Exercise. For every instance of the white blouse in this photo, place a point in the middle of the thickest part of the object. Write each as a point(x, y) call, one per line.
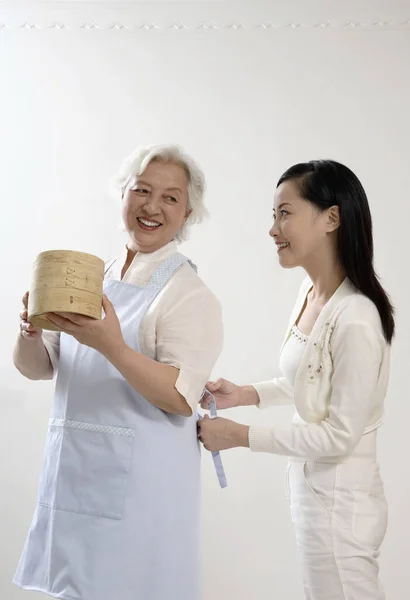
point(292, 352)
point(340, 384)
point(182, 327)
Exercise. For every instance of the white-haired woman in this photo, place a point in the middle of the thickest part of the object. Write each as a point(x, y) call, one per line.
point(118, 507)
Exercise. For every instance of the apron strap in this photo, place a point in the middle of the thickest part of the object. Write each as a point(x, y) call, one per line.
point(109, 264)
point(216, 456)
point(166, 269)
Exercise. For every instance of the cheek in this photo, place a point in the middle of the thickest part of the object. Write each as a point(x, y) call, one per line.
point(126, 213)
point(130, 205)
point(175, 215)
point(299, 232)
point(308, 242)
point(287, 229)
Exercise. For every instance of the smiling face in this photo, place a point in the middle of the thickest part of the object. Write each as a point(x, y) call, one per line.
point(301, 231)
point(155, 206)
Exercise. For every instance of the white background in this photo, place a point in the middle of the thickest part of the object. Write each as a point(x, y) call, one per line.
point(318, 79)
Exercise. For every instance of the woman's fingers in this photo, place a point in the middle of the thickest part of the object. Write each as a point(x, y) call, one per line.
point(213, 386)
point(27, 329)
point(26, 326)
point(25, 300)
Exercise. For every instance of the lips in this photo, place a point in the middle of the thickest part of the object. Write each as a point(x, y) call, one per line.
point(282, 246)
point(147, 224)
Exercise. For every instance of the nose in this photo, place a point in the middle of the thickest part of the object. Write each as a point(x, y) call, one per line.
point(274, 230)
point(152, 204)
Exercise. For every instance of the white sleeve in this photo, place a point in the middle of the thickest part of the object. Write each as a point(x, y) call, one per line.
point(275, 392)
point(357, 353)
point(51, 341)
point(190, 338)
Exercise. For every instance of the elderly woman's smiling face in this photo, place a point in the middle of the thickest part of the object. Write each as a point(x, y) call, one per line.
point(155, 206)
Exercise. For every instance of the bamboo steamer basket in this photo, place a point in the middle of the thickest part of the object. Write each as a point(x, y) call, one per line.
point(65, 281)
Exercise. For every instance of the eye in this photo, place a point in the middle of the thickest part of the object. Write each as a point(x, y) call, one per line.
point(139, 190)
point(171, 199)
point(282, 212)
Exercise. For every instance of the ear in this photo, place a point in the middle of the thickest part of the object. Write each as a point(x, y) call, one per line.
point(333, 219)
point(187, 214)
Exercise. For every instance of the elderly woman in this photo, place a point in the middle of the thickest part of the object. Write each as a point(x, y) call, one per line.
point(118, 505)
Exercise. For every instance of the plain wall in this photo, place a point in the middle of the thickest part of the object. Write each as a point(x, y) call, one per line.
point(247, 102)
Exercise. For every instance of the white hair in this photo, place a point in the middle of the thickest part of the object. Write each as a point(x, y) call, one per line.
point(136, 163)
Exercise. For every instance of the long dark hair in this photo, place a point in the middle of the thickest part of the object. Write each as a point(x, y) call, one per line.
point(327, 183)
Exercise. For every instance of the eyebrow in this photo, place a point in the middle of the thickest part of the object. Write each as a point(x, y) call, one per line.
point(174, 189)
point(282, 205)
point(141, 181)
point(170, 189)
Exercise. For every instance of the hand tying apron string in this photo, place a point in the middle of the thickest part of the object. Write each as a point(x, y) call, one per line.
point(219, 468)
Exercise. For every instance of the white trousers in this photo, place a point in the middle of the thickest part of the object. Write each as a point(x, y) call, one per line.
point(339, 512)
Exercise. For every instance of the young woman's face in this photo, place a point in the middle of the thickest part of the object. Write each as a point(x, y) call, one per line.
point(300, 230)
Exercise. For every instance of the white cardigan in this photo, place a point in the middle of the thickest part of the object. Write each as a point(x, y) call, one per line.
point(340, 385)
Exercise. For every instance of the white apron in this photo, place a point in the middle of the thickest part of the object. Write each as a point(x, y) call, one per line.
point(118, 513)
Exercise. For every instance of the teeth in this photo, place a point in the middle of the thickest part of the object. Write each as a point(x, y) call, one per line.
point(148, 223)
point(283, 245)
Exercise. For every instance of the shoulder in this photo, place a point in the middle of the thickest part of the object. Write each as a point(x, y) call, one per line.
point(358, 308)
point(357, 316)
point(190, 281)
point(186, 287)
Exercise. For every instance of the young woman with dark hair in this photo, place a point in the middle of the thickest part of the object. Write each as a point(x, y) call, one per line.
point(335, 370)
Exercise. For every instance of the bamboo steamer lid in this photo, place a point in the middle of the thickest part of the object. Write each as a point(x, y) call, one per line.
point(65, 281)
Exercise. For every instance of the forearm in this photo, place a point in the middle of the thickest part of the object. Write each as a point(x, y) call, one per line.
point(275, 392)
point(313, 440)
point(248, 396)
point(155, 381)
point(31, 358)
point(240, 436)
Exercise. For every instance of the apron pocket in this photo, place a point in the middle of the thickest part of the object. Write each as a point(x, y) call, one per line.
point(86, 468)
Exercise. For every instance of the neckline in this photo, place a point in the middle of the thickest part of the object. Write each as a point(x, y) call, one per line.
point(146, 258)
point(332, 301)
point(343, 290)
point(299, 335)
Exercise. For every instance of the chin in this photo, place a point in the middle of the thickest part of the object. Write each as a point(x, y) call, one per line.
point(288, 264)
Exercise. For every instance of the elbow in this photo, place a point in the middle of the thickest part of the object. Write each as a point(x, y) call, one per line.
point(27, 375)
point(350, 445)
point(49, 375)
point(20, 368)
point(34, 376)
point(185, 410)
point(341, 446)
point(174, 405)
point(181, 405)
